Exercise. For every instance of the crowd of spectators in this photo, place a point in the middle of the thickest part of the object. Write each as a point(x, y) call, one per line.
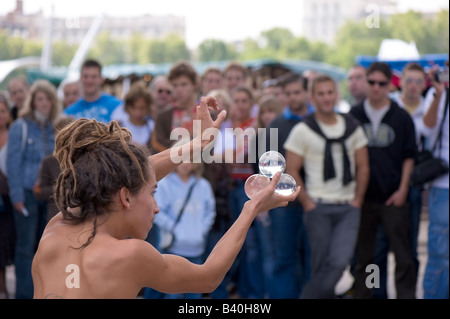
point(354, 165)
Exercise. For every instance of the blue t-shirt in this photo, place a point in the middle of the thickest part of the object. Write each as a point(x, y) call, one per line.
point(100, 109)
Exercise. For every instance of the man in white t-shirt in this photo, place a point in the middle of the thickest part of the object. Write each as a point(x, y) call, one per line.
point(413, 84)
point(332, 150)
point(436, 128)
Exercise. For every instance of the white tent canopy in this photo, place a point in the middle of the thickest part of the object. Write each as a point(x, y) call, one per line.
point(395, 49)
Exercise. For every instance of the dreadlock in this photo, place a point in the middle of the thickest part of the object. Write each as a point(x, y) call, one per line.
point(96, 161)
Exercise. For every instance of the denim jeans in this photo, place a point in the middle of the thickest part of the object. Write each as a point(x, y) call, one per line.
point(238, 271)
point(332, 233)
point(29, 230)
point(214, 235)
point(436, 278)
point(153, 239)
point(291, 252)
point(259, 258)
point(153, 236)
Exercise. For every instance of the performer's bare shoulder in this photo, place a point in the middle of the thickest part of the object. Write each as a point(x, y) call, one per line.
point(103, 269)
point(96, 248)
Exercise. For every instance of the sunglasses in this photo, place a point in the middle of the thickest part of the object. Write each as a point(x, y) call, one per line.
point(380, 83)
point(169, 92)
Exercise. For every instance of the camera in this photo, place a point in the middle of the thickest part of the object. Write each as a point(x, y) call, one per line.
point(441, 75)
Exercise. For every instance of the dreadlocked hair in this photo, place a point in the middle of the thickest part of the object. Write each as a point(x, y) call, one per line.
point(96, 161)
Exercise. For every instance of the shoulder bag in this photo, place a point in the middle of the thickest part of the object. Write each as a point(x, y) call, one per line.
point(167, 238)
point(427, 167)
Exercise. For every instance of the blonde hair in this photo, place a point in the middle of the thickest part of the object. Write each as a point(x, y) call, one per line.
point(49, 90)
point(270, 103)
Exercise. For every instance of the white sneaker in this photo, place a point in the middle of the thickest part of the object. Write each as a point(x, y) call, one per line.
point(345, 283)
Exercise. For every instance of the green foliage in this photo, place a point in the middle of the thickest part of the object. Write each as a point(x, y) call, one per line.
point(15, 47)
point(62, 53)
point(440, 30)
point(430, 33)
point(172, 48)
point(355, 38)
point(107, 49)
point(137, 49)
point(215, 50)
point(277, 39)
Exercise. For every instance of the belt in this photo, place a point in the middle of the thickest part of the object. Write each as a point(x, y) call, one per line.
point(330, 201)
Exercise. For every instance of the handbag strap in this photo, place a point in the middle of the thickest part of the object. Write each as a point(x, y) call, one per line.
point(439, 137)
point(184, 205)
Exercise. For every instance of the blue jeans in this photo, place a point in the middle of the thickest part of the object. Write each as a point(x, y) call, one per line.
point(259, 258)
point(291, 252)
point(153, 236)
point(436, 279)
point(153, 239)
point(29, 231)
point(214, 235)
point(238, 271)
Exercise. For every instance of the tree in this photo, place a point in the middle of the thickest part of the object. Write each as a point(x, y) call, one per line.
point(63, 53)
point(15, 47)
point(355, 38)
point(412, 26)
point(277, 39)
point(170, 49)
point(215, 50)
point(439, 29)
point(137, 49)
point(430, 34)
point(107, 50)
point(176, 48)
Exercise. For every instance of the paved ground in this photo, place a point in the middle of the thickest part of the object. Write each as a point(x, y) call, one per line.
point(346, 280)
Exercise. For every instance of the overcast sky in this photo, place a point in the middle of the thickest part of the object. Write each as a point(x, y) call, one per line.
point(228, 20)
